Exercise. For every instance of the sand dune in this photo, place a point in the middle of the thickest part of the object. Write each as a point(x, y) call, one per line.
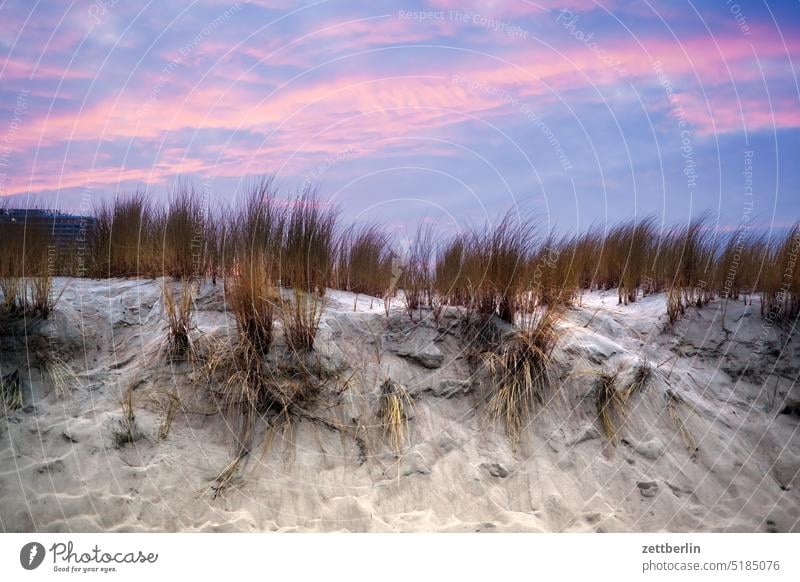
point(60, 469)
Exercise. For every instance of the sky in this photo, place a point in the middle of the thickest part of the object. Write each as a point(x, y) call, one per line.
point(577, 113)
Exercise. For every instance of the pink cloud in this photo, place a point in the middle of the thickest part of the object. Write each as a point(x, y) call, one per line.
point(515, 8)
point(330, 40)
point(17, 69)
point(321, 113)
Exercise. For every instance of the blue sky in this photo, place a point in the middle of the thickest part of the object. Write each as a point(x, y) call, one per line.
point(577, 113)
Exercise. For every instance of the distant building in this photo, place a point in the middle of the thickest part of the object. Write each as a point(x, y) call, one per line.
point(66, 235)
point(67, 230)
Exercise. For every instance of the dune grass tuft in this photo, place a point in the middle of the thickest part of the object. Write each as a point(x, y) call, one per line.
point(364, 263)
point(309, 244)
point(13, 290)
point(59, 375)
point(252, 299)
point(301, 314)
point(450, 277)
point(170, 403)
point(11, 391)
point(688, 259)
point(417, 281)
point(227, 476)
point(498, 268)
point(674, 403)
point(395, 404)
point(519, 367)
point(123, 238)
point(251, 291)
point(43, 297)
point(642, 374)
point(28, 264)
point(178, 344)
point(553, 273)
point(610, 404)
point(781, 280)
point(124, 430)
point(237, 370)
point(251, 387)
point(182, 230)
point(504, 249)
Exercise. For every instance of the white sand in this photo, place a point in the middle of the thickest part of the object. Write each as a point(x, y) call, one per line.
point(60, 471)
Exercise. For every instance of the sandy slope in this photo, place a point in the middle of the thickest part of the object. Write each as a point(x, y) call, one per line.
point(59, 469)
